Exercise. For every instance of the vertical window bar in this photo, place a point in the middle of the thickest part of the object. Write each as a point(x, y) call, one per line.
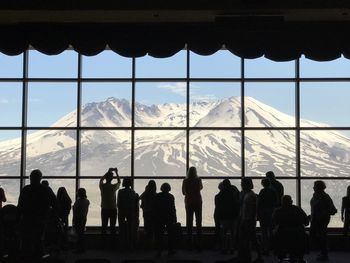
point(133, 121)
point(297, 125)
point(78, 130)
point(24, 118)
point(187, 109)
point(242, 119)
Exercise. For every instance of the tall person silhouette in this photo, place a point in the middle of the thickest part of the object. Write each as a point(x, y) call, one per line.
point(345, 211)
point(276, 186)
point(2, 196)
point(148, 198)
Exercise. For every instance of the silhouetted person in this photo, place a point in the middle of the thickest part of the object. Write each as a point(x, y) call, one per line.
point(46, 184)
point(108, 200)
point(64, 205)
point(9, 235)
point(227, 206)
point(322, 208)
point(345, 211)
point(148, 198)
point(191, 189)
point(247, 224)
point(290, 237)
point(267, 200)
point(218, 238)
point(34, 203)
point(127, 204)
point(80, 212)
point(2, 196)
point(165, 218)
point(276, 185)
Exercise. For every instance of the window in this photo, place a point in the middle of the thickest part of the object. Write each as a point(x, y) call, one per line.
point(74, 116)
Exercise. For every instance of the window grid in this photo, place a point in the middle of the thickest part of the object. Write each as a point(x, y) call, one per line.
point(242, 80)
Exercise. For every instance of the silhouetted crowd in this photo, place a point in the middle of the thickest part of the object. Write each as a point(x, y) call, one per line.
point(40, 220)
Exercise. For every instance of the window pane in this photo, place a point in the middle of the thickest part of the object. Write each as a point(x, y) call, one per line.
point(172, 67)
point(215, 152)
point(324, 153)
point(64, 65)
point(52, 151)
point(269, 104)
point(52, 104)
point(272, 150)
point(266, 68)
point(161, 153)
point(160, 104)
point(94, 196)
point(11, 188)
point(215, 104)
point(107, 64)
point(101, 150)
point(326, 69)
point(11, 66)
point(324, 104)
point(222, 64)
point(11, 104)
point(106, 105)
point(10, 153)
point(336, 190)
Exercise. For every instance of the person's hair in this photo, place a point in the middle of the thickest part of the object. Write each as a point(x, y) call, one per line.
point(319, 186)
point(151, 187)
point(192, 173)
point(127, 182)
point(265, 182)
point(109, 176)
point(62, 195)
point(348, 191)
point(82, 193)
point(270, 175)
point(45, 182)
point(247, 183)
point(165, 188)
point(220, 186)
point(226, 184)
point(35, 176)
point(287, 200)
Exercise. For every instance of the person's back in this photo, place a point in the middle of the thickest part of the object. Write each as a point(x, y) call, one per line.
point(345, 211)
point(322, 207)
point(267, 199)
point(165, 207)
point(276, 186)
point(109, 189)
point(192, 190)
point(2, 196)
point(80, 210)
point(127, 201)
point(227, 203)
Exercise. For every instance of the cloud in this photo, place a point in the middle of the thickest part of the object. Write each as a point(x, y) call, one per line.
point(4, 101)
point(177, 88)
point(204, 97)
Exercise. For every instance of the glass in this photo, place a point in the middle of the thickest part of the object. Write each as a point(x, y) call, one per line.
point(271, 150)
point(336, 68)
point(10, 153)
point(160, 153)
point(11, 189)
point(222, 64)
point(216, 152)
point(106, 105)
point(172, 67)
point(324, 104)
point(102, 149)
point(11, 66)
point(215, 104)
point(266, 68)
point(10, 104)
point(336, 190)
point(52, 151)
point(269, 104)
point(166, 109)
point(106, 64)
point(324, 153)
point(64, 65)
point(52, 104)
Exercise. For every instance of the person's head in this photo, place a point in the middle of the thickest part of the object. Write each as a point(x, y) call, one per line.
point(45, 183)
point(247, 184)
point(348, 191)
point(165, 188)
point(127, 183)
point(109, 176)
point(152, 186)
point(226, 184)
point(35, 176)
point(319, 186)
point(286, 200)
point(82, 193)
point(192, 172)
point(265, 182)
point(220, 186)
point(270, 175)
point(62, 193)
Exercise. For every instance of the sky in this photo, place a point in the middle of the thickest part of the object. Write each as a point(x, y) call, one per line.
point(47, 102)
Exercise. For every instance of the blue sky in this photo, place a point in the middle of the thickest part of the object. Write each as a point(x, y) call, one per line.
point(322, 102)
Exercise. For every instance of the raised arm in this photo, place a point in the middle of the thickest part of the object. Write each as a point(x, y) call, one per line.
point(342, 209)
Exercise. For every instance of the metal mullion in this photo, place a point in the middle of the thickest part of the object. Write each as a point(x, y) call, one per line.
point(187, 110)
point(133, 103)
point(242, 119)
point(78, 131)
point(297, 132)
point(24, 119)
